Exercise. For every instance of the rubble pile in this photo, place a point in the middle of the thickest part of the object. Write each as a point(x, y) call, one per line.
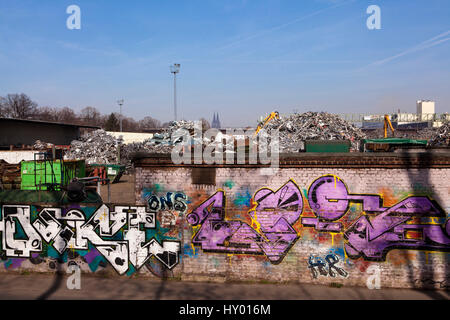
point(424, 134)
point(95, 147)
point(101, 148)
point(39, 145)
point(168, 136)
point(441, 137)
point(296, 128)
point(148, 146)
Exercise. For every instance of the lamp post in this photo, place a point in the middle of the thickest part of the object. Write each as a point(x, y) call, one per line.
point(120, 102)
point(175, 69)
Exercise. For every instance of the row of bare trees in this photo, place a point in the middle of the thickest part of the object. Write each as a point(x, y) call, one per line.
point(20, 106)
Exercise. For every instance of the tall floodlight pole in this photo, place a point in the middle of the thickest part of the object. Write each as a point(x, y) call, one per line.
point(120, 102)
point(175, 69)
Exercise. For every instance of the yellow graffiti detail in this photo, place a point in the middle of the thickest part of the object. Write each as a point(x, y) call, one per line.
point(255, 224)
point(194, 232)
point(336, 178)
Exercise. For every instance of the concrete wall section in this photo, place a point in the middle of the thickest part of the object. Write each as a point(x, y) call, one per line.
point(15, 157)
point(131, 137)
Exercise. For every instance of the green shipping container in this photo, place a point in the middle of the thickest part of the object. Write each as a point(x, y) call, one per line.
point(36, 174)
point(327, 146)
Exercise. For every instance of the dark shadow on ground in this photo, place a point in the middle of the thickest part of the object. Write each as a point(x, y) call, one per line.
point(59, 276)
point(161, 288)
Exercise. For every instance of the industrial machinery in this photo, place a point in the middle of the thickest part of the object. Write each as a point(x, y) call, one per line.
point(387, 124)
point(262, 124)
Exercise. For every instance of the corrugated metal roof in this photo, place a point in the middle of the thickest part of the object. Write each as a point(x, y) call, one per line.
point(48, 122)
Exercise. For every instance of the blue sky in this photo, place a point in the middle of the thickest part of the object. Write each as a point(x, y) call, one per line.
point(241, 58)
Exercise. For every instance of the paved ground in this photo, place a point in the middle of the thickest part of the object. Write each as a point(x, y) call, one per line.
point(121, 192)
point(54, 287)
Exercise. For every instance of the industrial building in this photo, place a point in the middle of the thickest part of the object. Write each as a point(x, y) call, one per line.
point(18, 132)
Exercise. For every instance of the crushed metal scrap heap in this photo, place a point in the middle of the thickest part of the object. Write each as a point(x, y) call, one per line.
point(95, 147)
point(101, 148)
point(162, 142)
point(296, 128)
point(441, 137)
point(39, 145)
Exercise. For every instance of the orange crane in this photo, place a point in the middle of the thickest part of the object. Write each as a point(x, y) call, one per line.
point(387, 123)
point(272, 115)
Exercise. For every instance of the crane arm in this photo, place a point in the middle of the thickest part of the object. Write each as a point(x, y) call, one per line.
point(387, 124)
point(272, 115)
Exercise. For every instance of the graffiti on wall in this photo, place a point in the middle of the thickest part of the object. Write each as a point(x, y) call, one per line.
point(409, 224)
point(325, 266)
point(122, 236)
point(271, 233)
point(380, 229)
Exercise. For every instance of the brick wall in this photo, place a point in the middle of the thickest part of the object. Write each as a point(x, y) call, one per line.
point(401, 199)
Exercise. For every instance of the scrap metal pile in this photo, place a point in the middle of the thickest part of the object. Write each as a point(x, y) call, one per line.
point(95, 147)
point(39, 145)
point(101, 148)
point(296, 128)
point(162, 142)
point(441, 137)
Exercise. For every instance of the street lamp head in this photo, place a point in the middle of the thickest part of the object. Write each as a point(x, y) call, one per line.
point(120, 102)
point(175, 68)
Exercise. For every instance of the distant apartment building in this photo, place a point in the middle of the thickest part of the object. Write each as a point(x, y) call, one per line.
point(425, 107)
point(424, 117)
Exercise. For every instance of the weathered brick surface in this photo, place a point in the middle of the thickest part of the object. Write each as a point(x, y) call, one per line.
point(394, 178)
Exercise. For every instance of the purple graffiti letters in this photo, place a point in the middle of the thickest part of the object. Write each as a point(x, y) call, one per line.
point(393, 229)
point(378, 230)
point(219, 235)
point(272, 216)
point(329, 199)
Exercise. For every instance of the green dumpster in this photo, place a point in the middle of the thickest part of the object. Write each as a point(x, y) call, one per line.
point(327, 146)
point(37, 175)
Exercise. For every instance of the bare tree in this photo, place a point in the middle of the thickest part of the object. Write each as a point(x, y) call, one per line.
point(2, 108)
point(129, 124)
point(46, 114)
point(149, 123)
point(205, 124)
point(19, 106)
point(90, 115)
point(66, 115)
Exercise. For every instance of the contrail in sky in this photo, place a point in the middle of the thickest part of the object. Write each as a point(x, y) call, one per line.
point(284, 25)
point(424, 45)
